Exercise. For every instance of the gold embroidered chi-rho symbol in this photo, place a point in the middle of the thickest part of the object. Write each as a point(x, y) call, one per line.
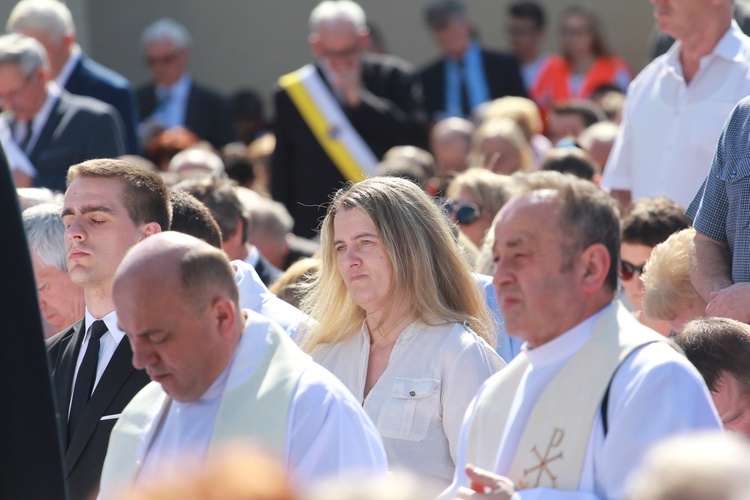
point(543, 462)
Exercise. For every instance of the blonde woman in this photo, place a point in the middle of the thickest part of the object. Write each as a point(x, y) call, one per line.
point(475, 197)
point(401, 321)
point(500, 146)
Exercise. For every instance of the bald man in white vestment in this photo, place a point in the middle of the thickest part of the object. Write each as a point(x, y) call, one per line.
point(221, 373)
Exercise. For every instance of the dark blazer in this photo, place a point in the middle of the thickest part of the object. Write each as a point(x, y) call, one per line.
point(77, 129)
point(267, 272)
point(208, 114)
point(391, 114)
point(84, 455)
point(89, 78)
point(502, 72)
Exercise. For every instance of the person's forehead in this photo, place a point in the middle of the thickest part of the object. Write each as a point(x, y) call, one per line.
point(161, 47)
point(532, 212)
point(10, 73)
point(104, 191)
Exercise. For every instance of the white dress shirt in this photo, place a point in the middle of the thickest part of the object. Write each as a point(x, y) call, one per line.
point(670, 128)
point(655, 393)
point(327, 432)
point(255, 296)
point(107, 346)
point(420, 399)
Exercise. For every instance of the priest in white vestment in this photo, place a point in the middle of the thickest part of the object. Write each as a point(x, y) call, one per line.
point(222, 374)
point(592, 390)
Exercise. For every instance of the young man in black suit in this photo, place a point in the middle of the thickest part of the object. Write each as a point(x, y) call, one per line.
point(110, 205)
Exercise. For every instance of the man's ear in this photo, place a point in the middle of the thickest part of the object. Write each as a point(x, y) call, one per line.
point(363, 38)
point(595, 263)
point(314, 41)
point(224, 313)
point(150, 229)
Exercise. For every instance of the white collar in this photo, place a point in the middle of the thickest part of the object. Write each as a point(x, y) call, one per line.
point(110, 320)
point(70, 64)
point(565, 345)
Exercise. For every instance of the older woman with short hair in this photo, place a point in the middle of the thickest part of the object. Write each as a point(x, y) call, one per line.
point(401, 320)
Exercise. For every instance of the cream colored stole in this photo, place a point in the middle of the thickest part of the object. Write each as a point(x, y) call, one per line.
point(328, 123)
point(553, 445)
point(256, 411)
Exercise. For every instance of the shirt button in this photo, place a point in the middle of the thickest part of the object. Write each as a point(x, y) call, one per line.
point(412, 393)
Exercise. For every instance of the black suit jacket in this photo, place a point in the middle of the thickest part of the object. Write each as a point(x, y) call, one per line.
point(502, 72)
point(77, 129)
point(208, 114)
point(120, 381)
point(89, 78)
point(391, 113)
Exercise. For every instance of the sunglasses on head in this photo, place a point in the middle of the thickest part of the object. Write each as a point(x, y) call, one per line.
point(627, 270)
point(465, 213)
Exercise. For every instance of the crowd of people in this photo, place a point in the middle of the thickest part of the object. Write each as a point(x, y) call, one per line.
point(503, 275)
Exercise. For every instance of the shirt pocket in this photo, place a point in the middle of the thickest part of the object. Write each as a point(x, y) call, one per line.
point(407, 412)
point(736, 177)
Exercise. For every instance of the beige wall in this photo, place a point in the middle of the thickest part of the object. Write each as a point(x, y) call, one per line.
point(240, 43)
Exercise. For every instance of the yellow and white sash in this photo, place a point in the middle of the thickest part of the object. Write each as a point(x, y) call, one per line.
point(328, 123)
point(553, 445)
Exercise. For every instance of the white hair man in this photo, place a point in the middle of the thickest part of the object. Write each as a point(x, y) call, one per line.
point(49, 128)
point(336, 118)
point(677, 106)
point(173, 98)
point(221, 373)
point(51, 24)
point(60, 300)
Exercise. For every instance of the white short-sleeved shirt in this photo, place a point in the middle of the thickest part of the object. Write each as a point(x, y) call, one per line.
point(670, 128)
point(420, 399)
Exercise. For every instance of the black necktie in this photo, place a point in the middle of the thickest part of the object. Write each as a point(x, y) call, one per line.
point(86, 376)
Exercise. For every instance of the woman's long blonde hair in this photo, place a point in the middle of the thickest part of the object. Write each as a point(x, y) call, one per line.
point(431, 276)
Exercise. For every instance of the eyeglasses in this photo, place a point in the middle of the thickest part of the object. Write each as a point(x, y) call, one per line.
point(627, 270)
point(163, 60)
point(465, 213)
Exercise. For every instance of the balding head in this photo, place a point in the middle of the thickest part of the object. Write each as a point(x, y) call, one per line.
point(177, 301)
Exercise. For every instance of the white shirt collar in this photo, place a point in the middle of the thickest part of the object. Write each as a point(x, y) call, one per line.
point(179, 89)
point(565, 345)
point(70, 64)
point(110, 320)
point(729, 48)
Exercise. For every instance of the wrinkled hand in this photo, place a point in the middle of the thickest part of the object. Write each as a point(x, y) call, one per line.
point(486, 485)
point(349, 82)
point(731, 302)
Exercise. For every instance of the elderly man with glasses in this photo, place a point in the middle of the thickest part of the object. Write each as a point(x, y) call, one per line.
point(173, 99)
point(336, 118)
point(43, 128)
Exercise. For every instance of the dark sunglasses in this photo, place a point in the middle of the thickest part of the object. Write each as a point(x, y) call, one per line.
point(627, 270)
point(465, 213)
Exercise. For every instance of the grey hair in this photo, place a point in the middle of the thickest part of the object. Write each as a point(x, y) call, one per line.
point(51, 17)
point(167, 30)
point(45, 233)
point(329, 10)
point(194, 160)
point(24, 51)
point(268, 216)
